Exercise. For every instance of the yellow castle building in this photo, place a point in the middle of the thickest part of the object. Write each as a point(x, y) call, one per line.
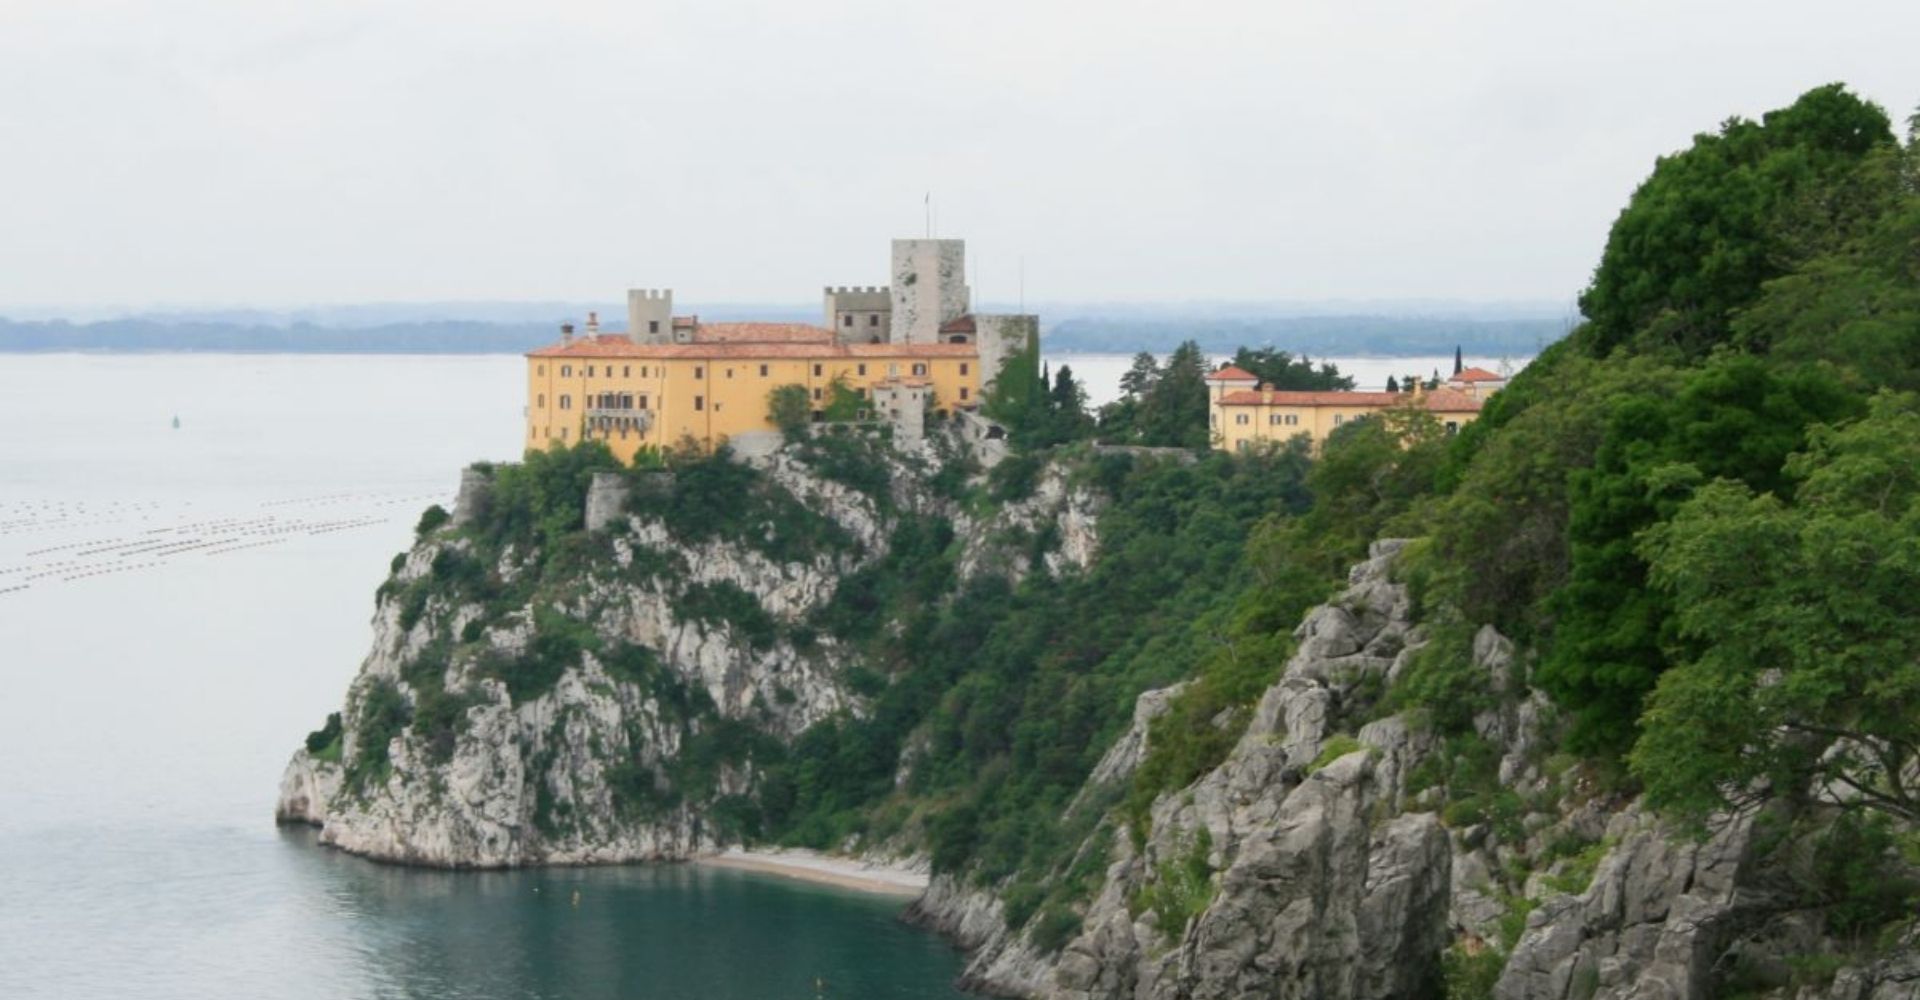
point(668, 379)
point(1243, 414)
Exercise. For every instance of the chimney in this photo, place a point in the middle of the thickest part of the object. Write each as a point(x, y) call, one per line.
point(593, 324)
point(566, 333)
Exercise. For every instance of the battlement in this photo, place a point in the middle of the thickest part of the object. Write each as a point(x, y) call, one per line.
point(650, 294)
point(857, 289)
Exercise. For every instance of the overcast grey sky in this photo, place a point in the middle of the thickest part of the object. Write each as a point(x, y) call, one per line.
point(157, 152)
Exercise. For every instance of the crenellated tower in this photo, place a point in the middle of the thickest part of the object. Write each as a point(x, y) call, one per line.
point(650, 315)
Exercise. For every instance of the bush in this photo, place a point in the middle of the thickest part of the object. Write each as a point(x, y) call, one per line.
point(789, 410)
point(555, 648)
point(724, 603)
point(324, 743)
point(1056, 926)
point(384, 714)
point(430, 520)
point(1337, 746)
point(1182, 888)
point(1469, 971)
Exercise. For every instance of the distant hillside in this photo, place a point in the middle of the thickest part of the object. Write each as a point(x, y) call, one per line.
point(1158, 328)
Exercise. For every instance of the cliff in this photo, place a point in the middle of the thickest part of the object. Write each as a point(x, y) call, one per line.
point(603, 699)
point(645, 682)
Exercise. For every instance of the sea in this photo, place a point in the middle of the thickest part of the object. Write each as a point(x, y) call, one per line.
point(189, 548)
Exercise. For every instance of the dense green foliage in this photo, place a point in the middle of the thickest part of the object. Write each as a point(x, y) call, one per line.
point(1018, 690)
point(789, 409)
point(1741, 207)
point(1282, 370)
point(1160, 405)
point(1796, 623)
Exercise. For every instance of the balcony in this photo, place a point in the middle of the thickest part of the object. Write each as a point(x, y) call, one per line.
point(610, 420)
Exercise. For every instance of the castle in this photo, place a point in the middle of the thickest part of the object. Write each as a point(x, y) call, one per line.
point(904, 348)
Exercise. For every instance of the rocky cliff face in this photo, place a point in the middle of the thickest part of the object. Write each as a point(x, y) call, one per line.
point(1331, 872)
point(582, 770)
point(1343, 848)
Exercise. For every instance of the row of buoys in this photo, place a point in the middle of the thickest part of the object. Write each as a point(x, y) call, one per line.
point(145, 548)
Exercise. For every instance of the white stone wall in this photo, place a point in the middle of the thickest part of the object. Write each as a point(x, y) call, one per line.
point(929, 288)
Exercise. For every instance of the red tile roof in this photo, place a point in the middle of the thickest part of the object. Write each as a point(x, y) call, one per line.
point(618, 346)
point(1230, 373)
point(761, 333)
point(1477, 375)
point(960, 324)
point(1437, 400)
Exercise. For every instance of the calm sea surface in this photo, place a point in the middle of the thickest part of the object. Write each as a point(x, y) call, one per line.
point(179, 606)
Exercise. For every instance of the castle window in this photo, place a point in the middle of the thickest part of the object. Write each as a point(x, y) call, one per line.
point(963, 367)
point(653, 326)
point(729, 373)
point(846, 320)
point(539, 369)
point(861, 370)
point(1292, 419)
point(643, 402)
point(563, 433)
point(540, 401)
point(1274, 418)
point(763, 371)
point(589, 371)
point(699, 402)
point(920, 369)
point(816, 371)
point(963, 392)
point(532, 433)
point(643, 371)
point(1452, 428)
point(566, 371)
point(1240, 418)
point(816, 395)
point(699, 372)
point(626, 371)
point(566, 402)
point(873, 320)
point(1339, 418)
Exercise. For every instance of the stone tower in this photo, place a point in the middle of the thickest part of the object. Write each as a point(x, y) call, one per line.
point(858, 314)
point(650, 315)
point(929, 288)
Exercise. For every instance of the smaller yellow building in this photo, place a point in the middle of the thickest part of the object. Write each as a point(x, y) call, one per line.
point(1244, 413)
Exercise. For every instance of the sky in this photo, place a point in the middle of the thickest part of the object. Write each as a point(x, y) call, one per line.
point(266, 153)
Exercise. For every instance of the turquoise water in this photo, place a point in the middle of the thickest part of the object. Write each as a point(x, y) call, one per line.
point(212, 912)
point(179, 607)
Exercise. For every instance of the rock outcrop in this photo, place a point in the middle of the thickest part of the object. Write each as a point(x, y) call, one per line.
point(1340, 849)
point(578, 766)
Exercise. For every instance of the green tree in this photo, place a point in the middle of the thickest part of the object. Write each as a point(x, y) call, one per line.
point(789, 409)
point(1797, 656)
point(843, 403)
point(1284, 371)
point(1713, 223)
point(1735, 418)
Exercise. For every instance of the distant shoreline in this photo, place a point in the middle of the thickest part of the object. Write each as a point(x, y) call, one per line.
point(824, 869)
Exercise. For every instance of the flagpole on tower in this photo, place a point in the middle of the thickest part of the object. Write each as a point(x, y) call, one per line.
point(926, 206)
